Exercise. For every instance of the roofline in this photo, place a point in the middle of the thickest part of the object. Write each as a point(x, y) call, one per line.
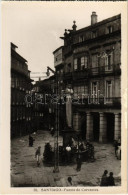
point(45, 79)
point(58, 49)
point(18, 55)
point(12, 44)
point(99, 23)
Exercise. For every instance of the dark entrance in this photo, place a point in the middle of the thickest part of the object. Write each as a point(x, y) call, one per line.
point(96, 126)
point(110, 127)
point(83, 128)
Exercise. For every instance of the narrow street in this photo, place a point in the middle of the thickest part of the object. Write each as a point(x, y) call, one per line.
point(25, 173)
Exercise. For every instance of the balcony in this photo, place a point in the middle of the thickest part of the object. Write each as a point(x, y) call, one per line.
point(105, 70)
point(93, 72)
point(80, 74)
point(67, 76)
point(98, 102)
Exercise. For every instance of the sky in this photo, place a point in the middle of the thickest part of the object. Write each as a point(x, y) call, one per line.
point(36, 28)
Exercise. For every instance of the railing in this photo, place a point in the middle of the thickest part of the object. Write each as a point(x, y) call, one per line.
point(67, 75)
point(98, 102)
point(102, 70)
point(115, 68)
point(80, 74)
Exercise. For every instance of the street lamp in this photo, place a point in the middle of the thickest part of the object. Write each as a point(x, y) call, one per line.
point(56, 136)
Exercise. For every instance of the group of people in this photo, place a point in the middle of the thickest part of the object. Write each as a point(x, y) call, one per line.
point(107, 180)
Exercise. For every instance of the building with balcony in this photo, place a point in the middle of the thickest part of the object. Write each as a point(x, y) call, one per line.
point(91, 63)
point(21, 113)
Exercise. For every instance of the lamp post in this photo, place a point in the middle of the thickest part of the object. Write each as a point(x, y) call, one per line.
point(56, 136)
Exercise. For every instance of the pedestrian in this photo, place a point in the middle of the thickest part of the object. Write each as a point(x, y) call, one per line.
point(70, 180)
point(79, 162)
point(31, 140)
point(52, 131)
point(104, 179)
point(111, 181)
point(118, 152)
point(37, 155)
point(116, 147)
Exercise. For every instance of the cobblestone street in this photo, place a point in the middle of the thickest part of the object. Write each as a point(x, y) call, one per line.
point(24, 171)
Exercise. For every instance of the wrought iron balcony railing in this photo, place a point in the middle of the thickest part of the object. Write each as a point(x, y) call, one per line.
point(85, 73)
point(115, 68)
point(98, 102)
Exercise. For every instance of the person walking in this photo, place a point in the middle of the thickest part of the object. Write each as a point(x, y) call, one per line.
point(31, 140)
point(116, 147)
point(111, 181)
point(104, 179)
point(37, 155)
point(70, 180)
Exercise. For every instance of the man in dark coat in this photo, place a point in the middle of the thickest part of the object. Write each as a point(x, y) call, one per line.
point(104, 179)
point(31, 140)
point(111, 181)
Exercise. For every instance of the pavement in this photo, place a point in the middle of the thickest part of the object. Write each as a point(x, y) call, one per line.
point(25, 173)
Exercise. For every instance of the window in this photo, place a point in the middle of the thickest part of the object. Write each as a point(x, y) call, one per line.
point(95, 63)
point(75, 64)
point(84, 62)
point(94, 34)
point(110, 29)
point(81, 38)
point(80, 90)
point(94, 89)
point(109, 62)
point(109, 91)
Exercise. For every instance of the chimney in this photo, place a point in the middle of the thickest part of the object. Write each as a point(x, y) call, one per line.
point(93, 18)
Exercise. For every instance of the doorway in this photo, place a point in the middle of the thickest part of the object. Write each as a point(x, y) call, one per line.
point(96, 126)
point(83, 128)
point(110, 127)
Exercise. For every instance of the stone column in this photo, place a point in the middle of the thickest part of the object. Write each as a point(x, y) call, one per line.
point(76, 121)
point(89, 129)
point(117, 127)
point(103, 128)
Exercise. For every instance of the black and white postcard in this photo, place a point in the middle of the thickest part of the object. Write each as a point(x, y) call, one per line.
point(64, 97)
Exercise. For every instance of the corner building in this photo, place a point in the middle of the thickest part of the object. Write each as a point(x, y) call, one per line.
point(91, 63)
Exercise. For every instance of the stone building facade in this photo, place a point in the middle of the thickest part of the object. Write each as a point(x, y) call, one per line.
point(43, 109)
point(91, 64)
point(21, 113)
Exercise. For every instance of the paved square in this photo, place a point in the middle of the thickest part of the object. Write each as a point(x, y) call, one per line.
point(24, 171)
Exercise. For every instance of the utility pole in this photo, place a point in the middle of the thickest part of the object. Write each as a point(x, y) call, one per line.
point(56, 137)
point(56, 145)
